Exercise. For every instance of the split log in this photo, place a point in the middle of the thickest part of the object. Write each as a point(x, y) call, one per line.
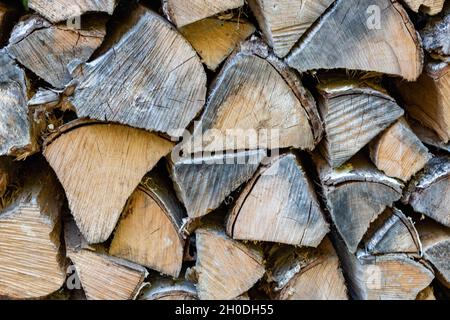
point(435, 36)
point(184, 12)
point(384, 41)
point(166, 82)
point(203, 183)
point(279, 205)
point(398, 152)
point(102, 277)
point(15, 136)
point(428, 136)
point(426, 294)
point(47, 49)
point(99, 166)
point(60, 10)
point(356, 195)
point(307, 274)
point(353, 115)
point(430, 7)
point(215, 39)
point(429, 194)
point(436, 248)
point(226, 268)
point(168, 289)
point(31, 262)
point(284, 22)
point(148, 232)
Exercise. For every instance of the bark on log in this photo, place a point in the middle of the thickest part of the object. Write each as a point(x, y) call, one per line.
point(430, 7)
point(435, 36)
point(354, 33)
point(99, 166)
point(168, 289)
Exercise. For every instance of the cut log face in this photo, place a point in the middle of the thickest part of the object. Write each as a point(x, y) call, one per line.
point(398, 152)
point(14, 125)
point(102, 277)
point(429, 194)
point(353, 115)
point(392, 232)
point(60, 10)
point(99, 166)
point(307, 274)
point(430, 7)
point(167, 289)
point(279, 205)
point(284, 22)
point(226, 268)
point(358, 31)
point(435, 36)
point(184, 12)
point(356, 195)
point(436, 248)
point(226, 34)
point(47, 49)
point(203, 183)
point(148, 232)
point(165, 80)
point(31, 262)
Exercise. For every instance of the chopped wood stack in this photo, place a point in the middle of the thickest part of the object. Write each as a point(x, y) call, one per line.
point(226, 149)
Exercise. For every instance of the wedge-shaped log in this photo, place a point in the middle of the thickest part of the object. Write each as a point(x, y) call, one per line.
point(184, 12)
point(430, 7)
point(398, 152)
point(226, 268)
point(429, 192)
point(165, 83)
point(102, 277)
point(148, 232)
point(31, 262)
point(99, 166)
point(279, 205)
point(47, 49)
point(284, 22)
point(435, 35)
point(215, 39)
point(307, 274)
point(428, 136)
point(203, 183)
point(376, 37)
point(356, 195)
point(353, 114)
point(169, 289)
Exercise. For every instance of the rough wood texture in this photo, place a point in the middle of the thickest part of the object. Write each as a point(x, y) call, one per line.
point(168, 289)
point(347, 37)
point(99, 166)
point(428, 136)
point(307, 274)
point(59, 10)
point(148, 232)
point(279, 205)
point(428, 193)
point(353, 115)
point(165, 80)
point(226, 34)
point(356, 195)
point(203, 183)
point(398, 152)
point(226, 268)
point(430, 7)
point(436, 248)
point(47, 49)
point(14, 125)
point(102, 277)
point(31, 262)
point(284, 22)
point(184, 12)
point(435, 36)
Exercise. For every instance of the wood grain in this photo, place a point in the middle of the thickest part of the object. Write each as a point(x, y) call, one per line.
point(430, 7)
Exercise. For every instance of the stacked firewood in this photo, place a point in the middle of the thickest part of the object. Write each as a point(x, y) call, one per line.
point(225, 149)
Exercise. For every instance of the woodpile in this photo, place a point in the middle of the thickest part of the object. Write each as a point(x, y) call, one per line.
point(225, 150)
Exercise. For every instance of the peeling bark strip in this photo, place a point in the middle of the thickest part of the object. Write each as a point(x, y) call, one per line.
point(148, 232)
point(279, 205)
point(184, 12)
point(284, 22)
point(428, 193)
point(356, 195)
point(47, 49)
point(156, 83)
point(358, 42)
point(31, 262)
point(353, 115)
point(430, 7)
point(99, 166)
point(168, 289)
point(60, 10)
